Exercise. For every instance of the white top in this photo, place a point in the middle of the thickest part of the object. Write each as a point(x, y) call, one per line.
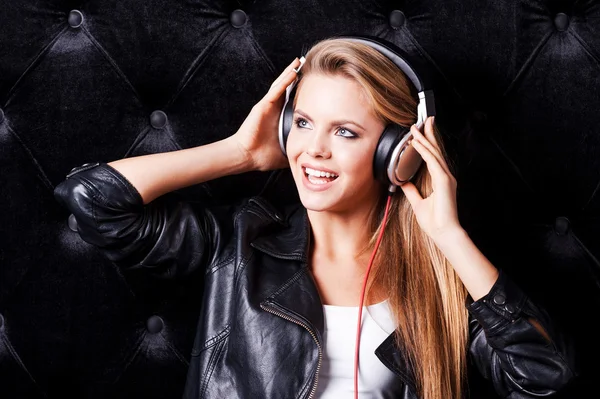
point(336, 377)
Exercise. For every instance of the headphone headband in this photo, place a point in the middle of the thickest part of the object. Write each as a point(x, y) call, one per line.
point(400, 58)
point(393, 55)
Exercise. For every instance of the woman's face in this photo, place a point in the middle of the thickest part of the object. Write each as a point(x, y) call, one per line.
point(332, 143)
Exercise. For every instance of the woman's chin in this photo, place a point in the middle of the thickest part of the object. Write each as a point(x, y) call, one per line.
point(315, 204)
point(312, 206)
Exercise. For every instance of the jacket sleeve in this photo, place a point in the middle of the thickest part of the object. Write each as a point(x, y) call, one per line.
point(167, 236)
point(508, 350)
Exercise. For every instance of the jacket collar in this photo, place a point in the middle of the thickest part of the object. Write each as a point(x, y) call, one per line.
point(291, 242)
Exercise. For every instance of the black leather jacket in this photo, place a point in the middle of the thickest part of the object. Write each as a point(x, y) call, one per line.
point(261, 323)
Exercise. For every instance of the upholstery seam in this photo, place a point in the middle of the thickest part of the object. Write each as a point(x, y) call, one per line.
point(112, 63)
point(428, 57)
point(33, 63)
point(584, 44)
point(527, 64)
point(31, 157)
point(260, 51)
point(175, 351)
point(18, 359)
point(195, 65)
point(137, 348)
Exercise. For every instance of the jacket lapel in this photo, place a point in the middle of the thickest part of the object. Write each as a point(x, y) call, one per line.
point(395, 359)
point(294, 293)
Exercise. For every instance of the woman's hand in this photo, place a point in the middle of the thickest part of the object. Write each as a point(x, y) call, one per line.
point(258, 136)
point(437, 214)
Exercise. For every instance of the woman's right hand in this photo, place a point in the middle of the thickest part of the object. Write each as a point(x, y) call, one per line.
point(258, 136)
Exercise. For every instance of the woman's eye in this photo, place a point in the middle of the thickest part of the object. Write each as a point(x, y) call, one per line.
point(301, 122)
point(342, 131)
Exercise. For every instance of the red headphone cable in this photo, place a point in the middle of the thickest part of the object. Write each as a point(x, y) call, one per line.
point(362, 294)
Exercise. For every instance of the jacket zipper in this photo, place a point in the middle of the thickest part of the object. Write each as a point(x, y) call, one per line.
point(307, 328)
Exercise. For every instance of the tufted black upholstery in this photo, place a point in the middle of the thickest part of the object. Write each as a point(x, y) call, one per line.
point(518, 97)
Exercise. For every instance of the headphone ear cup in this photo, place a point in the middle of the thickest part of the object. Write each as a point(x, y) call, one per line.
point(396, 161)
point(286, 119)
point(388, 141)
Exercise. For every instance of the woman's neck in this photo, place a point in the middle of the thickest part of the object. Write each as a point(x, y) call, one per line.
point(339, 236)
point(338, 261)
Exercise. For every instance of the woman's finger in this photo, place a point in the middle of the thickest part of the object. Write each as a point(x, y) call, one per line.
point(282, 82)
point(417, 134)
point(412, 193)
point(419, 137)
point(290, 67)
point(430, 133)
point(434, 140)
point(438, 174)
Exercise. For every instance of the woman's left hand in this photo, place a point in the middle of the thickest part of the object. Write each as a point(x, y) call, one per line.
point(437, 213)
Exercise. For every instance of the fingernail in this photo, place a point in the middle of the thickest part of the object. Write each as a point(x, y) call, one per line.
point(302, 60)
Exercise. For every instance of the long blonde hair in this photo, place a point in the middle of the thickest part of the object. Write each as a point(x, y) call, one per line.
point(426, 296)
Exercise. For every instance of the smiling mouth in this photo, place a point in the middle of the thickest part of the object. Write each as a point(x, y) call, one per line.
point(318, 176)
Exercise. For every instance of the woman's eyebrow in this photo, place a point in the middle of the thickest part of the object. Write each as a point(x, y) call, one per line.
point(337, 122)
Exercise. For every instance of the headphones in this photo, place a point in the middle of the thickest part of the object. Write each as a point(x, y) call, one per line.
point(395, 161)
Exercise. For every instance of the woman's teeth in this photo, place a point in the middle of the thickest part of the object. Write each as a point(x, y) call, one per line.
point(319, 173)
point(319, 176)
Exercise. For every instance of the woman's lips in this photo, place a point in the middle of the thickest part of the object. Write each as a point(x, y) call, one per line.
point(317, 183)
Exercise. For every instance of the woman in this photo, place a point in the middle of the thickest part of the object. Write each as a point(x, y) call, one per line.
point(282, 286)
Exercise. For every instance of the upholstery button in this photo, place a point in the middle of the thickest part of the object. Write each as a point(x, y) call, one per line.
point(510, 308)
point(75, 18)
point(397, 19)
point(238, 18)
point(561, 21)
point(72, 222)
point(499, 299)
point(1, 115)
point(155, 324)
point(158, 119)
point(561, 225)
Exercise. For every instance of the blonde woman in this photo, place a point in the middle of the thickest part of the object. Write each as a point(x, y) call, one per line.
point(283, 287)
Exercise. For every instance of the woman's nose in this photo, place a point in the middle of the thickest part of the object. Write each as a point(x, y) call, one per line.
point(318, 148)
point(318, 153)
